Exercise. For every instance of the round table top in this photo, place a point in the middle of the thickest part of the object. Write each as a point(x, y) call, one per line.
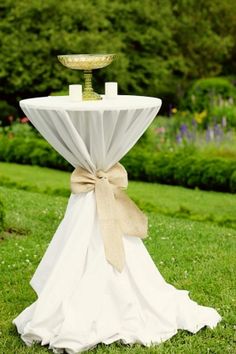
point(120, 102)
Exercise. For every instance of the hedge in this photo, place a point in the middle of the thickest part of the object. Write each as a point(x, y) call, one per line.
point(182, 168)
point(2, 216)
point(31, 151)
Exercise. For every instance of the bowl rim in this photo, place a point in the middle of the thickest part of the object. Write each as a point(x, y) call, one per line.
point(86, 55)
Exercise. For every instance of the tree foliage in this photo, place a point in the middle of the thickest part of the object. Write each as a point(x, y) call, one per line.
point(162, 44)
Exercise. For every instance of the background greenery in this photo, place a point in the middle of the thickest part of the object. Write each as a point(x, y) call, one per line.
point(164, 45)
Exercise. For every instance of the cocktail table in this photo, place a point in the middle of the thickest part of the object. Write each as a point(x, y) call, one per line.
point(93, 288)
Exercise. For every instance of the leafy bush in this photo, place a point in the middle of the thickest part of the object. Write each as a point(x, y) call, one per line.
point(7, 113)
point(184, 167)
point(17, 128)
point(226, 113)
point(209, 92)
point(2, 216)
point(161, 44)
point(32, 151)
point(233, 182)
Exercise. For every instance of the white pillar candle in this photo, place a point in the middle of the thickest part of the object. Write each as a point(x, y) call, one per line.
point(111, 89)
point(75, 92)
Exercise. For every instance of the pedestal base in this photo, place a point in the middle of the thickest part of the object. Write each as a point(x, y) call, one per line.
point(91, 96)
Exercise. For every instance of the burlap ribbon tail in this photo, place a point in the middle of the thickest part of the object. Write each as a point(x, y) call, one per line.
point(117, 213)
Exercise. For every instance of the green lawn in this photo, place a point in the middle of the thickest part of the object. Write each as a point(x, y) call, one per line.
point(195, 255)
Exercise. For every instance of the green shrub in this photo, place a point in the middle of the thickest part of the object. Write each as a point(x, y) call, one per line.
point(6, 110)
point(2, 216)
point(32, 151)
point(226, 112)
point(20, 129)
point(233, 182)
point(182, 168)
point(185, 167)
point(60, 93)
point(206, 93)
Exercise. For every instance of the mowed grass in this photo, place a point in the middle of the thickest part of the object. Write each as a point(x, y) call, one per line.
point(195, 255)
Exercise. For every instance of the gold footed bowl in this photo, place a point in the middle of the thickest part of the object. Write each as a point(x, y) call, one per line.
point(87, 62)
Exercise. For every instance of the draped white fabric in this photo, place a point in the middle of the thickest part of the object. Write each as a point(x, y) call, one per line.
point(82, 299)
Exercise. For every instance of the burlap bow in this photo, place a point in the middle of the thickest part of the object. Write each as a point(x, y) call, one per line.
point(117, 213)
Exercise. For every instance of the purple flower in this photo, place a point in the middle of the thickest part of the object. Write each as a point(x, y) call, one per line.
point(170, 110)
point(217, 130)
point(178, 139)
point(183, 129)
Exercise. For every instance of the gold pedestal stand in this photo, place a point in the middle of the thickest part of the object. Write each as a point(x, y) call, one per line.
point(88, 93)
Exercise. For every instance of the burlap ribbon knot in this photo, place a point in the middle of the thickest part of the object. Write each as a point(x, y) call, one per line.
point(117, 213)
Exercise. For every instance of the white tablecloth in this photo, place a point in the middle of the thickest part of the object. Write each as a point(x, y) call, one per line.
point(82, 299)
